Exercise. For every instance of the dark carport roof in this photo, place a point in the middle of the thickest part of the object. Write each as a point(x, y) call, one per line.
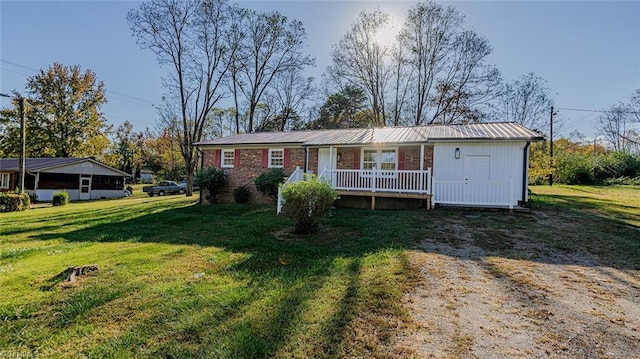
point(38, 164)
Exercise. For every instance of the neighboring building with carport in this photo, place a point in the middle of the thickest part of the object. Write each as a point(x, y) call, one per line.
point(82, 178)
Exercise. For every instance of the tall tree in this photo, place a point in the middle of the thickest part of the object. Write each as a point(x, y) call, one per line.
point(189, 36)
point(434, 71)
point(401, 75)
point(467, 82)
point(345, 109)
point(125, 151)
point(62, 115)
point(270, 45)
point(428, 33)
point(527, 101)
point(361, 60)
point(617, 124)
point(289, 97)
point(222, 123)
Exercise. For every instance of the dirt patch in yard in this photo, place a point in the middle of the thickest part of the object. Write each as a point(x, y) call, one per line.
point(520, 286)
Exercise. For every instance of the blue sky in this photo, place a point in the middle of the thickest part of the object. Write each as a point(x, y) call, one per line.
point(588, 51)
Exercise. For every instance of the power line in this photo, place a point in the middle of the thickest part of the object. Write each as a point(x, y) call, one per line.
point(129, 119)
point(113, 94)
point(131, 97)
point(145, 102)
point(599, 111)
point(15, 72)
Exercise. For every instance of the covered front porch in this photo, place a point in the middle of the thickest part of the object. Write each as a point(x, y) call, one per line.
point(415, 184)
point(412, 184)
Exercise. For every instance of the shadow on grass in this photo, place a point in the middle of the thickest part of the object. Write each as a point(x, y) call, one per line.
point(267, 316)
point(602, 208)
point(559, 230)
point(264, 313)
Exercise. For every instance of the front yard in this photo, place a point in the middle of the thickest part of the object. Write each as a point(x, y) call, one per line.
point(562, 281)
point(229, 281)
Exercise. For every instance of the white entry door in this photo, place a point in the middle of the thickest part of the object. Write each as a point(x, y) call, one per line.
point(85, 187)
point(324, 159)
point(477, 168)
point(477, 174)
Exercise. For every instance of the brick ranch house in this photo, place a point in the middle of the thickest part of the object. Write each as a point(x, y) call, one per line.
point(81, 178)
point(464, 165)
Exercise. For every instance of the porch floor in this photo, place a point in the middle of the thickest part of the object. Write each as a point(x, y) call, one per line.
point(373, 196)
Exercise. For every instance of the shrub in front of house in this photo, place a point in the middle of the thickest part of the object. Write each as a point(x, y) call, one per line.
point(211, 179)
point(11, 202)
point(308, 201)
point(241, 194)
point(60, 198)
point(269, 181)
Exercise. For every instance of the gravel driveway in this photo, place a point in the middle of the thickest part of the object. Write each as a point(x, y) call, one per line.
point(481, 298)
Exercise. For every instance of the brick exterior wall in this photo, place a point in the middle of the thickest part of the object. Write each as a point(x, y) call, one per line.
point(250, 166)
point(313, 161)
point(411, 153)
point(346, 155)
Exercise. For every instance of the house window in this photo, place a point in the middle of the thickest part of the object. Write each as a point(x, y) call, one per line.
point(382, 159)
point(4, 180)
point(388, 160)
point(276, 158)
point(369, 159)
point(228, 156)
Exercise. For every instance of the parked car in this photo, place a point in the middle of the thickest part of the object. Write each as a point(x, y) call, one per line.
point(184, 184)
point(164, 188)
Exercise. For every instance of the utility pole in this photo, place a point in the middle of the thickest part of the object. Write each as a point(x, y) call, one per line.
point(23, 139)
point(22, 166)
point(551, 148)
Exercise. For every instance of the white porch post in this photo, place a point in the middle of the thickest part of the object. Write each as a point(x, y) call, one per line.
point(333, 179)
point(35, 184)
point(422, 168)
point(331, 157)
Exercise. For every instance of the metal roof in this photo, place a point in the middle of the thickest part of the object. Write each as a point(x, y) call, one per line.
point(39, 164)
point(483, 131)
point(396, 135)
point(262, 138)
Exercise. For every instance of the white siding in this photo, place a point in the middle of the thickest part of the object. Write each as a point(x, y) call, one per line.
point(85, 167)
point(46, 195)
point(506, 161)
point(106, 193)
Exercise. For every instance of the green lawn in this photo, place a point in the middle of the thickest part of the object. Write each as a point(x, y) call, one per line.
point(264, 292)
point(621, 203)
point(337, 293)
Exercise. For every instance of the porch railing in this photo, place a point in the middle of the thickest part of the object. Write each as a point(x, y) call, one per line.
point(469, 193)
point(409, 181)
point(474, 193)
point(297, 175)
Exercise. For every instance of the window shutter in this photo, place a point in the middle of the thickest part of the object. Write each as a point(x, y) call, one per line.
point(402, 154)
point(356, 158)
point(216, 158)
point(286, 158)
point(265, 158)
point(236, 158)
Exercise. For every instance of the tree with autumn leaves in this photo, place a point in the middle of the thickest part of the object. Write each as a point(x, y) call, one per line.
point(62, 113)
